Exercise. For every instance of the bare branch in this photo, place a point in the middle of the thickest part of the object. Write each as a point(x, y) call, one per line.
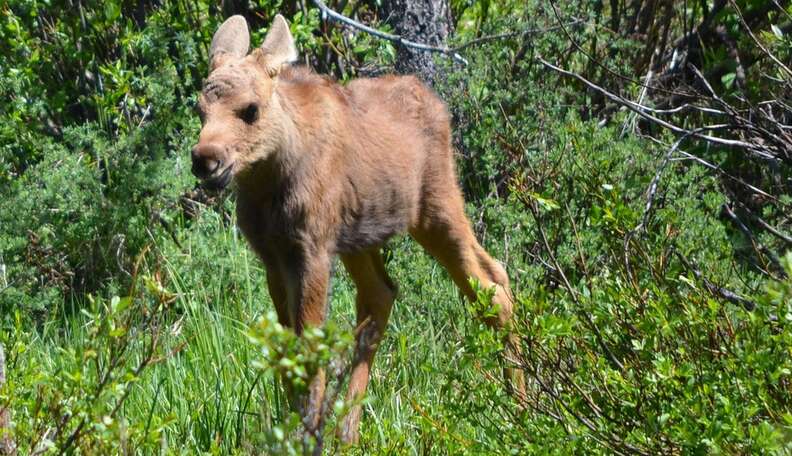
point(770, 228)
point(327, 12)
point(759, 43)
point(503, 36)
point(643, 111)
point(717, 290)
point(650, 197)
point(629, 123)
point(759, 248)
point(453, 52)
point(688, 156)
point(652, 190)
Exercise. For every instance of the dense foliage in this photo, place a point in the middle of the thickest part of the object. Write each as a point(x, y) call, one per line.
point(650, 265)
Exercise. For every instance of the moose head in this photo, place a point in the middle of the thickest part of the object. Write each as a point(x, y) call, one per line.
point(242, 119)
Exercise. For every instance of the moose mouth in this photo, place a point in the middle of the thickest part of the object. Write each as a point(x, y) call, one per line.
point(219, 181)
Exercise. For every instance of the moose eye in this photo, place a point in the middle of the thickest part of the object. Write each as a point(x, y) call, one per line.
point(249, 114)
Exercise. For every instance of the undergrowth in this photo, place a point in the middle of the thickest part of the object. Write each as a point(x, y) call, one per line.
point(135, 319)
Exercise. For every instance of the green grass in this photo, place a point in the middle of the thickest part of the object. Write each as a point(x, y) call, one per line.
point(209, 392)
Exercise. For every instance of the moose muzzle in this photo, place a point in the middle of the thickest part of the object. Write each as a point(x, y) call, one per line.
point(208, 165)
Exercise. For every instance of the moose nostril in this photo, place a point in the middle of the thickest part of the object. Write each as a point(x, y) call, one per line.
point(205, 167)
point(212, 165)
point(205, 161)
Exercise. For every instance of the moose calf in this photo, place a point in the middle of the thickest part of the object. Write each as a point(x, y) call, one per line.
point(321, 170)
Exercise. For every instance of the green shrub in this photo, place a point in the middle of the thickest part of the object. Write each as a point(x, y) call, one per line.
point(630, 342)
point(676, 372)
point(69, 395)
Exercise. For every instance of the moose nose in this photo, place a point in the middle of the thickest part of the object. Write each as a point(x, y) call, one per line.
point(206, 160)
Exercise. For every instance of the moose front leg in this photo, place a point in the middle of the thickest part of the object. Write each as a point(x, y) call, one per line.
point(307, 287)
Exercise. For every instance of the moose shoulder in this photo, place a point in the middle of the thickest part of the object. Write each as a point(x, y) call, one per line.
point(322, 170)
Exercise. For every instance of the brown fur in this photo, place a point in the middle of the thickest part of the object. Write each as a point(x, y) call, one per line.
point(327, 170)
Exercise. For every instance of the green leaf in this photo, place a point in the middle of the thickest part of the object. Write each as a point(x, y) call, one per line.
point(112, 10)
point(777, 31)
point(545, 203)
point(728, 79)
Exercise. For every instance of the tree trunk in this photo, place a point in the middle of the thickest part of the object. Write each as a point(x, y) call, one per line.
point(424, 21)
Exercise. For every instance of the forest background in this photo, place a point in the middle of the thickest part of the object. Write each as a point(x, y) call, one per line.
point(628, 160)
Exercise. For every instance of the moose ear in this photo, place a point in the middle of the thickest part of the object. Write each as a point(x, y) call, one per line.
point(278, 47)
point(232, 39)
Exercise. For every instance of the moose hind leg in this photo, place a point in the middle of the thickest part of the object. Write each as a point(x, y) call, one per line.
point(375, 295)
point(445, 233)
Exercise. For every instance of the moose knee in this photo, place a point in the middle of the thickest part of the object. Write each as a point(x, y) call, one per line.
point(376, 303)
point(493, 268)
point(505, 304)
point(499, 275)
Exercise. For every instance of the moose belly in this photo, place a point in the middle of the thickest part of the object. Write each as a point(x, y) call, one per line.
point(370, 223)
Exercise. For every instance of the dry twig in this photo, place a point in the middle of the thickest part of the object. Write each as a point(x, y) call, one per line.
point(717, 290)
point(644, 111)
